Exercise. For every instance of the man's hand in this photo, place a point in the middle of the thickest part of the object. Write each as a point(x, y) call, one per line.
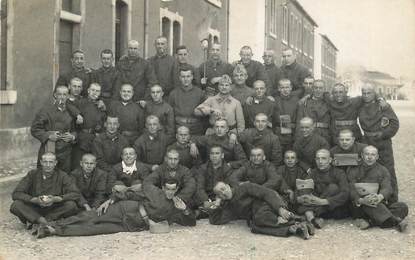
point(87, 207)
point(54, 136)
point(56, 199)
point(215, 80)
point(203, 81)
point(194, 152)
point(178, 203)
point(285, 213)
point(271, 98)
point(101, 210)
point(366, 200)
point(233, 139)
point(154, 167)
point(291, 195)
point(142, 103)
point(101, 105)
point(35, 200)
point(79, 120)
point(249, 100)
point(67, 137)
point(383, 104)
point(303, 100)
point(45, 201)
point(207, 205)
point(374, 199)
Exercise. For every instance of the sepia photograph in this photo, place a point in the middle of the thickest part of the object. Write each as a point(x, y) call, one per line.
point(207, 129)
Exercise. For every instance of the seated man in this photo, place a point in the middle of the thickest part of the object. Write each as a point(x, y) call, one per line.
point(308, 143)
point(370, 192)
point(329, 192)
point(258, 171)
point(263, 137)
point(233, 151)
point(90, 181)
point(152, 212)
point(207, 175)
point(126, 176)
point(240, 90)
point(151, 146)
point(347, 152)
point(261, 207)
point(182, 146)
point(172, 170)
point(107, 147)
point(44, 194)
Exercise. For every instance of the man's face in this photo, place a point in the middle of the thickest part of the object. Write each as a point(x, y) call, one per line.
point(156, 94)
point(368, 94)
point(308, 84)
point(78, 60)
point(112, 124)
point(260, 89)
point(285, 88)
point(257, 156)
point(224, 88)
point(288, 57)
point(48, 163)
point(88, 164)
point(221, 128)
point(170, 190)
point(268, 58)
point(133, 50)
point(261, 122)
point(306, 128)
point(129, 156)
point(323, 160)
point(94, 91)
point(126, 92)
point(161, 46)
point(186, 78)
point(223, 191)
point(215, 52)
point(318, 89)
point(61, 95)
point(106, 60)
point(290, 159)
point(370, 156)
point(172, 160)
point(339, 94)
point(239, 78)
point(182, 56)
point(216, 155)
point(183, 136)
point(346, 140)
point(75, 88)
point(246, 56)
point(153, 125)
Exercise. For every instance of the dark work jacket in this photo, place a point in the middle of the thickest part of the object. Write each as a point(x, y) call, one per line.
point(264, 174)
point(108, 150)
point(164, 69)
point(274, 76)
point(296, 73)
point(306, 148)
point(289, 176)
point(92, 189)
point(107, 79)
point(256, 71)
point(84, 74)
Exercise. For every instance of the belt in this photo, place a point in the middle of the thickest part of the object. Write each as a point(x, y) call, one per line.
point(370, 133)
point(129, 133)
point(143, 213)
point(322, 125)
point(345, 122)
point(187, 120)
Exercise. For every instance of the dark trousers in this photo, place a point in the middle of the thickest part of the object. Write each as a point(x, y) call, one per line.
point(264, 221)
point(28, 212)
point(386, 159)
point(383, 215)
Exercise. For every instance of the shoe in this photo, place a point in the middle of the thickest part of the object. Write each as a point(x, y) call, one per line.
point(362, 224)
point(402, 226)
point(28, 225)
point(45, 231)
point(311, 229)
point(317, 222)
point(302, 231)
point(34, 229)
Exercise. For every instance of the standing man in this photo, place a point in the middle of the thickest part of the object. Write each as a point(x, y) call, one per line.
point(182, 61)
point(294, 71)
point(212, 70)
point(106, 76)
point(54, 127)
point(136, 71)
point(273, 72)
point(163, 64)
point(379, 126)
point(255, 69)
point(44, 194)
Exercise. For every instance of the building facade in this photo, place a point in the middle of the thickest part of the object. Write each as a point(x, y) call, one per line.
point(328, 60)
point(38, 38)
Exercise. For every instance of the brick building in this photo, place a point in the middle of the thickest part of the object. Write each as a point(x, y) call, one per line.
point(325, 65)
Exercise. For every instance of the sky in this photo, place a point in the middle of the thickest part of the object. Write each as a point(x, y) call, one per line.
point(377, 34)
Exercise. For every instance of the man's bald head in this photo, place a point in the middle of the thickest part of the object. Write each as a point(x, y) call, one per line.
point(306, 126)
point(133, 48)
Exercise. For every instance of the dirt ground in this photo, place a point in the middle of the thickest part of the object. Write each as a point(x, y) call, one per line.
point(337, 240)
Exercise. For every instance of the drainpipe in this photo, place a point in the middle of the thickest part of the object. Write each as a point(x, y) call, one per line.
point(146, 17)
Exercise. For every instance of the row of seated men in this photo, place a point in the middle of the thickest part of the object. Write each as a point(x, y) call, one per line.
point(279, 201)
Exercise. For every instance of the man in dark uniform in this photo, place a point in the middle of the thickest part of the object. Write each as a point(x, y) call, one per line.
point(136, 71)
point(182, 146)
point(108, 146)
point(182, 54)
point(44, 194)
point(371, 191)
point(163, 65)
point(129, 113)
point(263, 137)
point(294, 71)
point(260, 206)
point(212, 70)
point(78, 70)
point(255, 69)
point(106, 76)
point(240, 90)
point(273, 72)
point(90, 181)
point(379, 126)
point(54, 127)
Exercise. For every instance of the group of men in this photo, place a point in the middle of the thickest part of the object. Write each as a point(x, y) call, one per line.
point(231, 141)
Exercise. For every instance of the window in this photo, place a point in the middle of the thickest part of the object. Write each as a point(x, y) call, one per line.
point(3, 44)
point(171, 28)
point(291, 30)
point(121, 28)
point(285, 24)
point(273, 19)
